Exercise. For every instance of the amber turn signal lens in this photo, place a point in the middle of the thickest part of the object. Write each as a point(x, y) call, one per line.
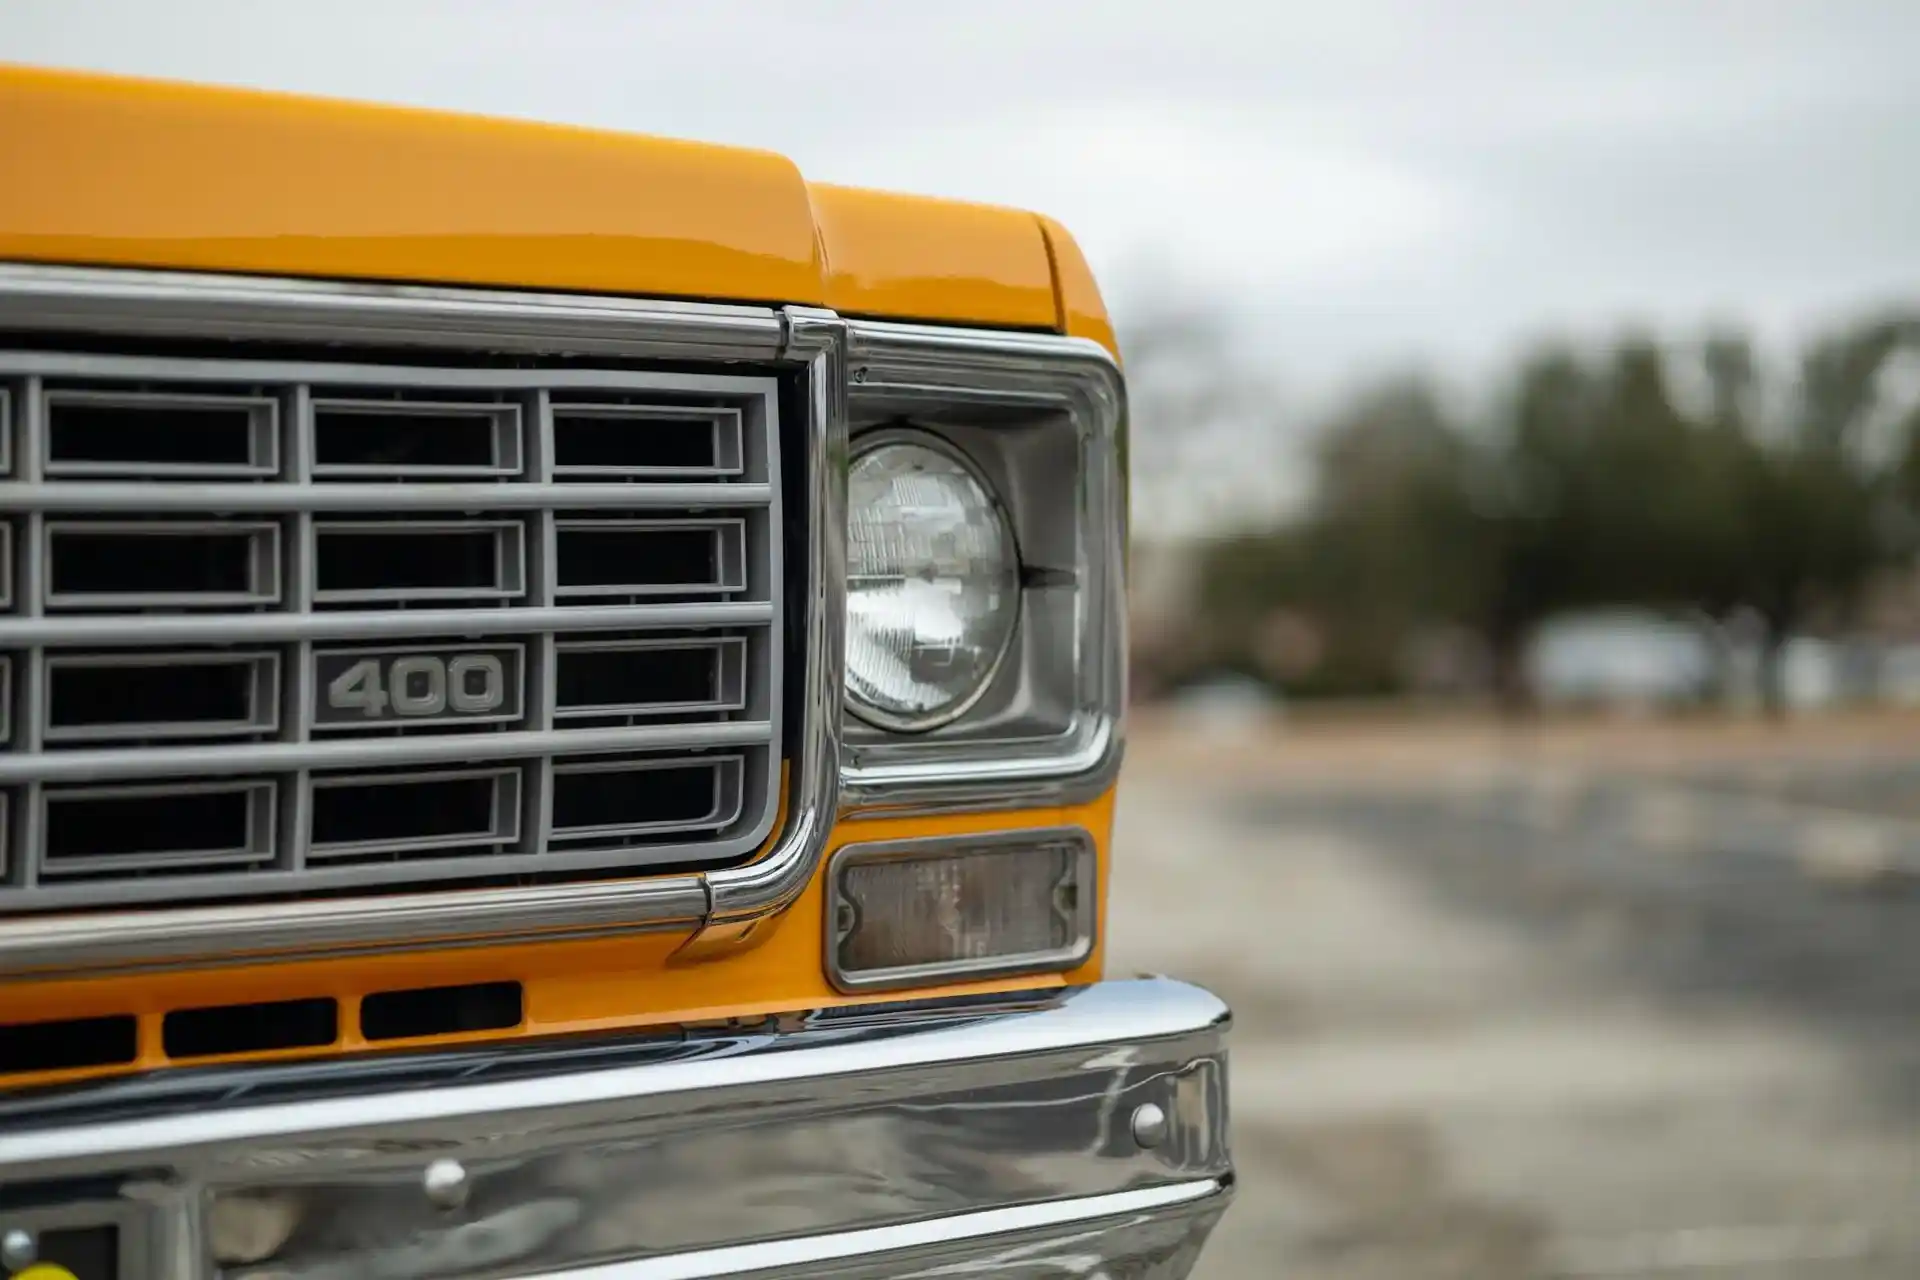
point(966, 907)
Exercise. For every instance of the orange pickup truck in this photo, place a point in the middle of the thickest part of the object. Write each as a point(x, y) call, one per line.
point(562, 698)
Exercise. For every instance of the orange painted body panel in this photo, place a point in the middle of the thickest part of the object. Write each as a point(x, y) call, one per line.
point(570, 987)
point(1082, 312)
point(895, 255)
point(109, 171)
point(118, 172)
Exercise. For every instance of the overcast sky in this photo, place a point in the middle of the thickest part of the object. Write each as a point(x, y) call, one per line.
point(1358, 182)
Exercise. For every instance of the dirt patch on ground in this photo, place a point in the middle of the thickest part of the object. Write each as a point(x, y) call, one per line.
point(1371, 1199)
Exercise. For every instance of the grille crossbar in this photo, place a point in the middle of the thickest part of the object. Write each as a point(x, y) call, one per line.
point(283, 627)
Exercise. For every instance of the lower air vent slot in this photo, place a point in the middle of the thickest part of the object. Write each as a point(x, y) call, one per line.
point(250, 1028)
point(609, 441)
point(607, 798)
point(154, 565)
point(643, 677)
point(378, 438)
point(113, 433)
point(441, 1011)
point(367, 814)
point(161, 695)
point(395, 561)
point(167, 827)
point(68, 1044)
point(640, 558)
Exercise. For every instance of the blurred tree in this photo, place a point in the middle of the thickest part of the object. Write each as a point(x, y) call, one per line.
point(1587, 484)
point(1395, 536)
point(1797, 510)
point(1193, 407)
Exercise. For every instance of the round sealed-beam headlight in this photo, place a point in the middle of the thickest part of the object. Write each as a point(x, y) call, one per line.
point(933, 584)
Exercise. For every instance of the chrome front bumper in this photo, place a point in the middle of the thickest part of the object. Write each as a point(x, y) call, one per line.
point(1050, 1137)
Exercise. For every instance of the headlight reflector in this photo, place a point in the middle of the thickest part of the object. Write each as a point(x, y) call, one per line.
point(933, 585)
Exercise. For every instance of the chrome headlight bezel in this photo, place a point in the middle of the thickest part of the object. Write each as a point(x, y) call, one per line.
point(1041, 418)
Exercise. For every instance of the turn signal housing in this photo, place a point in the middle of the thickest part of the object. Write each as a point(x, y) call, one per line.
point(908, 912)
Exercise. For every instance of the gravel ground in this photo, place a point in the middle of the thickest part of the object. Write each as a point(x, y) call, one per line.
point(1545, 1012)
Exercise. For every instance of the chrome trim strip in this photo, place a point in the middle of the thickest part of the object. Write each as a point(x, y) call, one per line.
point(739, 897)
point(265, 308)
point(63, 945)
point(1151, 1234)
point(42, 299)
point(946, 367)
point(874, 1129)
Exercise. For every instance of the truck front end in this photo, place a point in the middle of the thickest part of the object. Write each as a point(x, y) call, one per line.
point(562, 705)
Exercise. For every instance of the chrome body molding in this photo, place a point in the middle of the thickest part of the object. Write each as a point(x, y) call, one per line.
point(1154, 1234)
point(739, 898)
point(718, 909)
point(845, 1142)
point(171, 304)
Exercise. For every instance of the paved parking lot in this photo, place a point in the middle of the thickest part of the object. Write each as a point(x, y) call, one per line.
point(1556, 1011)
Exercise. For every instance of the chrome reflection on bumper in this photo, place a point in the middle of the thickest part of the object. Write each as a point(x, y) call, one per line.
point(1000, 1138)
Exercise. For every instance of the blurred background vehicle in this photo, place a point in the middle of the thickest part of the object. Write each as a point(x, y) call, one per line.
point(1527, 399)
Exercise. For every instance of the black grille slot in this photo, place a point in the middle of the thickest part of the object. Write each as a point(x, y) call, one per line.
point(102, 696)
point(68, 1044)
point(387, 812)
point(90, 830)
point(636, 677)
point(402, 438)
point(610, 557)
point(107, 433)
point(250, 1028)
point(609, 798)
point(598, 441)
point(375, 561)
point(133, 565)
point(83, 1252)
point(441, 1011)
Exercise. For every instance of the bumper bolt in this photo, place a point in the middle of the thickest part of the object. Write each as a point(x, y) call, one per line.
point(17, 1250)
point(446, 1184)
point(1149, 1125)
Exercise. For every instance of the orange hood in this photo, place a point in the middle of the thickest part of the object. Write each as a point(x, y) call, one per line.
point(108, 171)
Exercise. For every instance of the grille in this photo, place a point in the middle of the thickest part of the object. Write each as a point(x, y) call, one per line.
point(282, 627)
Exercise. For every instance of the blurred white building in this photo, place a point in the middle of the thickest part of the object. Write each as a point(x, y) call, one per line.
point(1622, 658)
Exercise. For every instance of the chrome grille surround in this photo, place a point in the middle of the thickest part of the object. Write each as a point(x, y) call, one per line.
point(218, 799)
point(720, 908)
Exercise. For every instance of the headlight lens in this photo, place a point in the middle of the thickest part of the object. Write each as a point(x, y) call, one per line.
point(933, 586)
